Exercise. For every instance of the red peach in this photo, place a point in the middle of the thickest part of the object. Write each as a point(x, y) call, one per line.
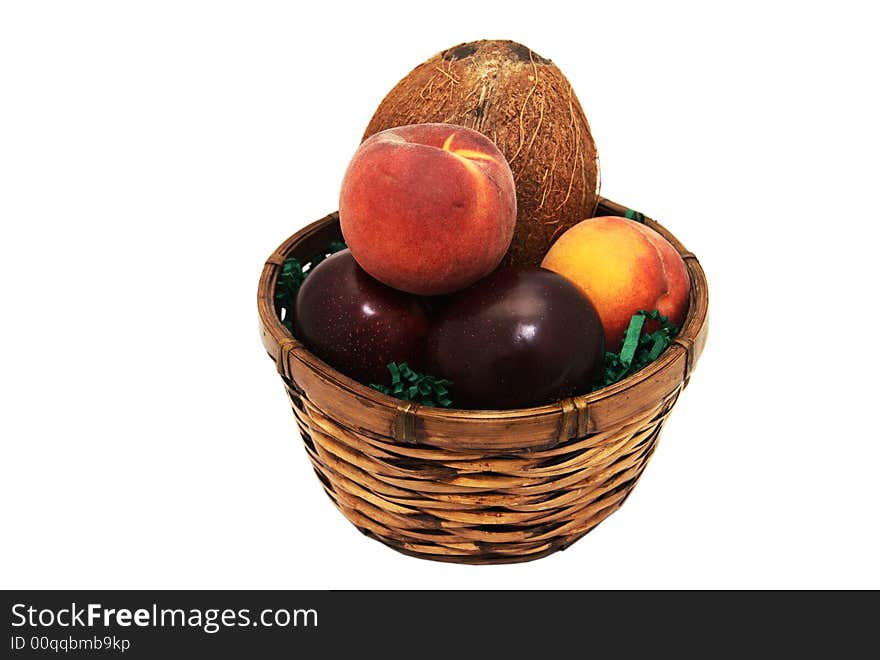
point(622, 266)
point(428, 208)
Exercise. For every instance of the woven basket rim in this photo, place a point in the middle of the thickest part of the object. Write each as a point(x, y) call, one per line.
point(691, 336)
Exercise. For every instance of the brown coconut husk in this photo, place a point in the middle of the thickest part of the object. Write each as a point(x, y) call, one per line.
point(525, 104)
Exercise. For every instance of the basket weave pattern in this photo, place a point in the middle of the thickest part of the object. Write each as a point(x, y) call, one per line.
point(477, 486)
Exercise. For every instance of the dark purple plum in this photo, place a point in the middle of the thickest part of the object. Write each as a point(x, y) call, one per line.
point(355, 323)
point(521, 337)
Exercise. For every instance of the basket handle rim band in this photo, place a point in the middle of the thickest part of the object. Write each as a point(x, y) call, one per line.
point(687, 344)
point(286, 347)
point(403, 428)
point(277, 259)
point(575, 419)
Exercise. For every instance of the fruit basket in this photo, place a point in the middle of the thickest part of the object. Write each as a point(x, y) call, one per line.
point(477, 486)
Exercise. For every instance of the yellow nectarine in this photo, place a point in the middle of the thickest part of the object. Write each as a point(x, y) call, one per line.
point(623, 267)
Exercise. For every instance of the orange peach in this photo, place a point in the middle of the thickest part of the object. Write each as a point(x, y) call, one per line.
point(622, 266)
point(428, 208)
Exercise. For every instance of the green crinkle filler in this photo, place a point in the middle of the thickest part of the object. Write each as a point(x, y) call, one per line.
point(660, 344)
point(639, 349)
point(631, 340)
point(634, 215)
point(411, 385)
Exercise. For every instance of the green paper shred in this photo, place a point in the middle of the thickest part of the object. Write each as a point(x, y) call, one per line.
point(395, 373)
point(639, 348)
point(660, 344)
point(631, 339)
point(634, 215)
point(411, 385)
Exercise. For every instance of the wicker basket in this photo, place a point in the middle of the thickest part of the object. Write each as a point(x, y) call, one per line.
point(476, 487)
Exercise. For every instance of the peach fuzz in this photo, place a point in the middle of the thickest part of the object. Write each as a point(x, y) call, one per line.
point(622, 266)
point(428, 208)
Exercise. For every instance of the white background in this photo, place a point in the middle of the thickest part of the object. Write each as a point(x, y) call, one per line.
point(153, 155)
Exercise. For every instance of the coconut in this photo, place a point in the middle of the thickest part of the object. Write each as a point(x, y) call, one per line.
point(525, 104)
